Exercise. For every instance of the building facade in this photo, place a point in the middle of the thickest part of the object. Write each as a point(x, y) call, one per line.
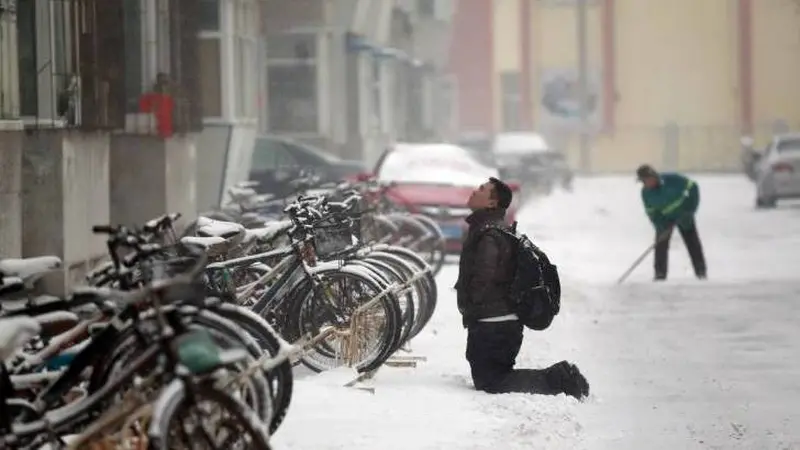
point(352, 76)
point(673, 83)
point(102, 104)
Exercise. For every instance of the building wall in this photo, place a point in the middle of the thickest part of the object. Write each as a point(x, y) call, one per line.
point(670, 86)
point(676, 63)
point(471, 59)
point(775, 66)
point(233, 71)
point(505, 50)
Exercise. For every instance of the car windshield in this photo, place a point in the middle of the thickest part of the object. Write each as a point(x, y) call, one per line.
point(316, 153)
point(789, 145)
point(440, 164)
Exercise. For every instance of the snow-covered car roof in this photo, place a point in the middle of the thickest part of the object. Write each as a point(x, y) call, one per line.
point(442, 164)
point(519, 143)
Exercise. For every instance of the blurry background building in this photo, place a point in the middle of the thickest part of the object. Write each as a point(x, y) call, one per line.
point(675, 83)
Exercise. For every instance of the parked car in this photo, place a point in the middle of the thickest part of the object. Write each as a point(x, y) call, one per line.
point(528, 158)
point(750, 157)
point(436, 180)
point(778, 171)
point(277, 161)
point(480, 146)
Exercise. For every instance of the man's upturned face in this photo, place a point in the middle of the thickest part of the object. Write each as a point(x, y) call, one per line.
point(482, 197)
point(650, 182)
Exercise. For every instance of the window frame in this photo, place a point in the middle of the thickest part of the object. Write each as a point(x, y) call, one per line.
point(217, 34)
point(47, 85)
point(312, 61)
point(280, 147)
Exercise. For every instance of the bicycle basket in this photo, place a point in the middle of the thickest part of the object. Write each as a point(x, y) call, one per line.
point(333, 236)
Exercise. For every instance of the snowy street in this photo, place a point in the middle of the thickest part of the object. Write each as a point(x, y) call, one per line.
point(683, 364)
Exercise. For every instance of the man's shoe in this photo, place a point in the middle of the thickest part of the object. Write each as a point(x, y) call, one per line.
point(702, 276)
point(660, 277)
point(565, 377)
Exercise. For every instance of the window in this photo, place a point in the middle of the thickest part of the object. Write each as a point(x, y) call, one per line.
point(210, 48)
point(133, 55)
point(375, 94)
point(245, 58)
point(270, 154)
point(293, 46)
point(292, 83)
point(9, 85)
point(788, 145)
point(28, 82)
point(47, 71)
point(309, 156)
point(426, 8)
point(210, 80)
point(209, 15)
point(292, 98)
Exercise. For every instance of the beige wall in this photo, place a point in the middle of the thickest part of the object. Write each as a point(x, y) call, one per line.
point(506, 49)
point(676, 62)
point(776, 65)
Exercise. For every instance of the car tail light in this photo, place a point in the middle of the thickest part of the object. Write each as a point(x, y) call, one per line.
point(782, 167)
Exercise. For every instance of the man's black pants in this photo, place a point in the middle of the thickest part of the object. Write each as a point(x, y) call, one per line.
point(693, 245)
point(492, 349)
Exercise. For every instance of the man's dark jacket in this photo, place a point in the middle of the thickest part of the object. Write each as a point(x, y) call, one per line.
point(485, 269)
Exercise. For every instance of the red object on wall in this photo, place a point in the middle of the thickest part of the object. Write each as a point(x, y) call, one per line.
point(472, 64)
point(161, 105)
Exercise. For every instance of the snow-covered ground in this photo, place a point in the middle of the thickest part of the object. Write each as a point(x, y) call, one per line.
point(677, 365)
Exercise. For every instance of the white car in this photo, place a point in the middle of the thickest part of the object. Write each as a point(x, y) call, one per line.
point(778, 171)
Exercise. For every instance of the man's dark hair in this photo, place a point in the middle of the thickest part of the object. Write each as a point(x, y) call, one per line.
point(501, 192)
point(646, 171)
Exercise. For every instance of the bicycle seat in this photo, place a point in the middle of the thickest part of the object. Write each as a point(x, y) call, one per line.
point(214, 246)
point(203, 241)
point(16, 332)
point(11, 285)
point(209, 227)
point(30, 270)
point(269, 232)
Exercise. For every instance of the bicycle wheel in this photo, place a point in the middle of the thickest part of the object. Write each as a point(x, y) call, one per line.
point(237, 427)
point(393, 275)
point(280, 378)
point(433, 245)
point(417, 290)
point(225, 333)
point(429, 281)
point(331, 303)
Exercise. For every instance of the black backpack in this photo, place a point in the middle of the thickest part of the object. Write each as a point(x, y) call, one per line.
point(535, 288)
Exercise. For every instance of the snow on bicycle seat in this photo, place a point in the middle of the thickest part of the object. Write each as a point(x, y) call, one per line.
point(214, 245)
point(204, 241)
point(226, 230)
point(16, 332)
point(270, 231)
point(27, 268)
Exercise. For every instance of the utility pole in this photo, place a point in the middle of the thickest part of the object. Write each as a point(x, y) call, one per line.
point(583, 88)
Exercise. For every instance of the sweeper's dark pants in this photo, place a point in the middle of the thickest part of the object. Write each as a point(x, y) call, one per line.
point(693, 245)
